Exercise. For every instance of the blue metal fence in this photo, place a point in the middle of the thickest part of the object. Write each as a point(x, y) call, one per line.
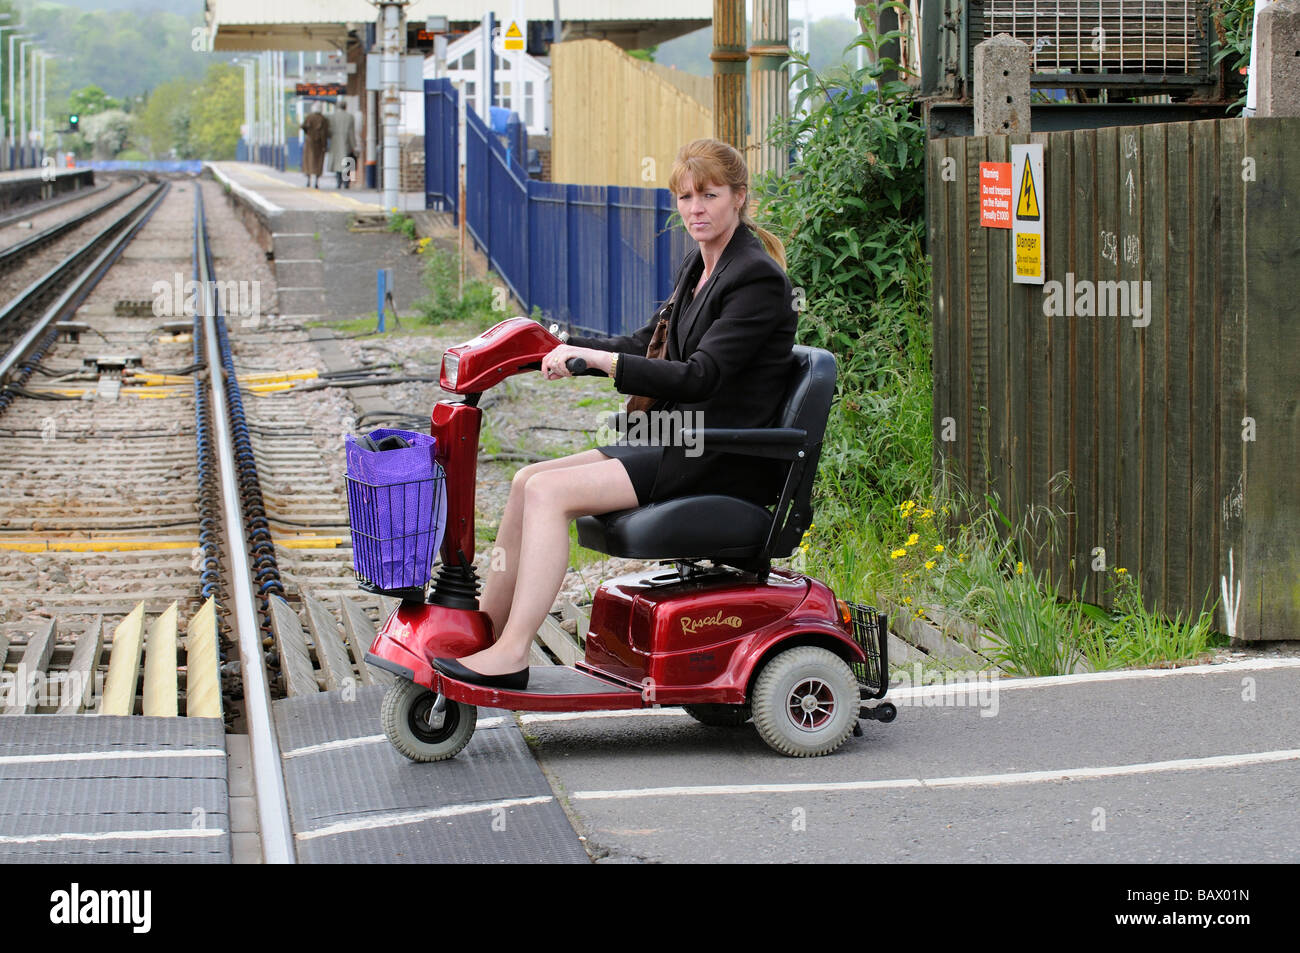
point(593, 256)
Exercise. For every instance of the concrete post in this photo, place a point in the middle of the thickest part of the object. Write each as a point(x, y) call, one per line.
point(770, 96)
point(1001, 85)
point(1277, 68)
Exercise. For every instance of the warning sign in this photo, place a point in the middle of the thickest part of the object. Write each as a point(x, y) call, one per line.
point(995, 194)
point(1028, 222)
point(514, 37)
point(1027, 204)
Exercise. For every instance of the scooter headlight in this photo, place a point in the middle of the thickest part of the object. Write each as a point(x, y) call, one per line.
point(450, 365)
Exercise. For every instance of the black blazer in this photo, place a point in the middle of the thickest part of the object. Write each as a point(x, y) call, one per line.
point(728, 357)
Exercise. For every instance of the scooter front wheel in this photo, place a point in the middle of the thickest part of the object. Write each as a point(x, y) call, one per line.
point(419, 728)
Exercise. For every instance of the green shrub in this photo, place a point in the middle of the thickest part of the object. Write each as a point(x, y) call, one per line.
point(444, 302)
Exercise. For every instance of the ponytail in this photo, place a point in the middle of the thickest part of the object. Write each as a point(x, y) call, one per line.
point(771, 243)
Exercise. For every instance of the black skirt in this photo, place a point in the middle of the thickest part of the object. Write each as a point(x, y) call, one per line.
point(756, 479)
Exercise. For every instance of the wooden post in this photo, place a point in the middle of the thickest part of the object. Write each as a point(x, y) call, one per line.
point(729, 59)
point(770, 102)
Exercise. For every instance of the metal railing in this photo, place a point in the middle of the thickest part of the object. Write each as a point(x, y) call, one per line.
point(591, 256)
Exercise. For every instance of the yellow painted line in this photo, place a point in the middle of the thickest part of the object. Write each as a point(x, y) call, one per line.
point(124, 665)
point(311, 542)
point(156, 379)
point(160, 666)
point(270, 376)
point(90, 545)
point(202, 684)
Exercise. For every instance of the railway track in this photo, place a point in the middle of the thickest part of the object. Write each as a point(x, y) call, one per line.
point(163, 498)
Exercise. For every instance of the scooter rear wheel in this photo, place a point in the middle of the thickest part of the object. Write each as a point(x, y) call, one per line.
point(417, 731)
point(806, 702)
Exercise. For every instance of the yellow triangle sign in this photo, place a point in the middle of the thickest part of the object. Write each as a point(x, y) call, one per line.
point(513, 33)
point(1027, 204)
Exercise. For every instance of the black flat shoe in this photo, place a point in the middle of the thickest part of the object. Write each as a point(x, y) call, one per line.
point(515, 681)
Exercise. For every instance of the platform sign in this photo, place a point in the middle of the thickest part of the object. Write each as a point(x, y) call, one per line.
point(995, 194)
point(511, 34)
point(1029, 214)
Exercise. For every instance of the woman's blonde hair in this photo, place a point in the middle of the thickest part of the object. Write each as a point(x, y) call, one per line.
point(707, 161)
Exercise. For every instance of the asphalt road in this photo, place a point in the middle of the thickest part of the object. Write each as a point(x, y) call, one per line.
point(1092, 770)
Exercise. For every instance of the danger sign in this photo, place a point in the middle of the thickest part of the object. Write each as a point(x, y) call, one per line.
point(1030, 213)
point(514, 37)
point(995, 194)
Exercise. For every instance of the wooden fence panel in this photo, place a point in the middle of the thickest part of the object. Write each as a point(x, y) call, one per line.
point(1203, 521)
point(1231, 488)
point(1085, 371)
point(1178, 319)
point(1138, 390)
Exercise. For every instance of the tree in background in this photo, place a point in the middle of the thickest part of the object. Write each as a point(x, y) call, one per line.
point(216, 113)
point(90, 100)
point(186, 120)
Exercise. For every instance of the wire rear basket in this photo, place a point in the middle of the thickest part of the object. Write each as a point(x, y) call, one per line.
point(871, 632)
point(396, 531)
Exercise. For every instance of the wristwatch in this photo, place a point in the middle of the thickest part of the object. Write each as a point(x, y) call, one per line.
point(613, 366)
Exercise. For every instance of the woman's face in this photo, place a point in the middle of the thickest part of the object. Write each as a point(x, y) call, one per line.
point(709, 212)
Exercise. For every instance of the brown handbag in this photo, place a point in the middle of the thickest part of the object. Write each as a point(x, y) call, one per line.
point(654, 350)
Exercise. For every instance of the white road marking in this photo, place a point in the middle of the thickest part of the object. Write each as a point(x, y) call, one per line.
point(367, 740)
point(109, 835)
point(966, 688)
point(415, 817)
point(974, 780)
point(108, 756)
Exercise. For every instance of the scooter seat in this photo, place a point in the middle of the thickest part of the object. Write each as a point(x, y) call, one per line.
point(709, 526)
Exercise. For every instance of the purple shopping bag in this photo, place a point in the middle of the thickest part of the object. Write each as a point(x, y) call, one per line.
point(397, 508)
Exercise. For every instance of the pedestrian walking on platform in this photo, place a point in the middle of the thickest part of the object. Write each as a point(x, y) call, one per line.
point(343, 145)
point(316, 129)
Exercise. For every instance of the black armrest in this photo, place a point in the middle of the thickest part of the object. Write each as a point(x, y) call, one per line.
point(784, 443)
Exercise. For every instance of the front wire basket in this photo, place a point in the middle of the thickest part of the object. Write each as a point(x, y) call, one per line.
point(871, 632)
point(396, 531)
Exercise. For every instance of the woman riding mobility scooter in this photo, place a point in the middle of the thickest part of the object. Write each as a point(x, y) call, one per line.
point(726, 641)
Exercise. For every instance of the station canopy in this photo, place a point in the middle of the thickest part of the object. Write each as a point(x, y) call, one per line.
point(324, 24)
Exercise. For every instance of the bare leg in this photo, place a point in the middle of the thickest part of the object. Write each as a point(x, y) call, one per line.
point(551, 498)
point(499, 589)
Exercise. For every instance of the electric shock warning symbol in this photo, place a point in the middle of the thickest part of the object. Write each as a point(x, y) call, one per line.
point(1028, 231)
point(1027, 203)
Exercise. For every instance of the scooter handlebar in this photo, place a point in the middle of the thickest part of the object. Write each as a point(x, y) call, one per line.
point(578, 368)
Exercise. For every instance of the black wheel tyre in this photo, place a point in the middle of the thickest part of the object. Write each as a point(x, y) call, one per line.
point(806, 702)
point(719, 716)
point(413, 728)
point(886, 712)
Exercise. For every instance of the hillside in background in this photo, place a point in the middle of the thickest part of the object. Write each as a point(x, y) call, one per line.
point(126, 51)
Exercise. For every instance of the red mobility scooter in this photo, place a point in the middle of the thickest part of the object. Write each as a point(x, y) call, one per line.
point(713, 628)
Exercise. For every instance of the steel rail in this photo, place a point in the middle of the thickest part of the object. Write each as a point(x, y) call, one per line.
point(268, 775)
point(12, 254)
point(81, 285)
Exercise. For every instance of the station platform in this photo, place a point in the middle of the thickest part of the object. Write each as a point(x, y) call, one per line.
point(19, 187)
point(288, 192)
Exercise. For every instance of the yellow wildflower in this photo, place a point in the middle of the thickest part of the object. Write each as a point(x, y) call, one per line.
point(1020, 569)
point(1121, 571)
point(911, 540)
point(907, 600)
point(929, 564)
point(898, 554)
point(938, 547)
